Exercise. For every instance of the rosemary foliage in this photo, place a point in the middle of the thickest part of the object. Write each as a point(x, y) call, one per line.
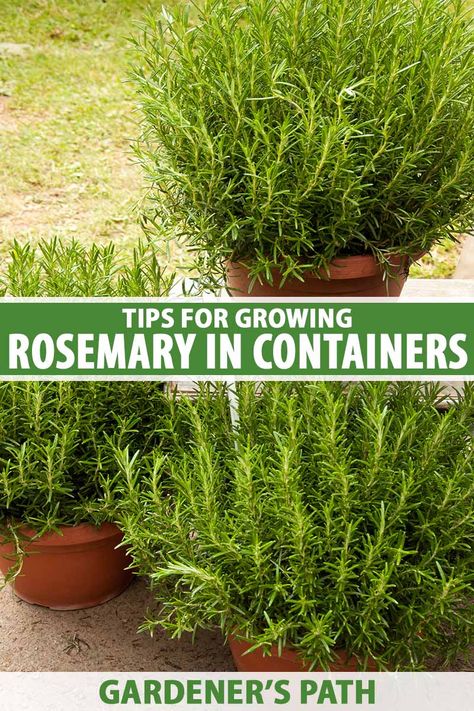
point(334, 518)
point(56, 268)
point(55, 439)
point(56, 465)
point(285, 134)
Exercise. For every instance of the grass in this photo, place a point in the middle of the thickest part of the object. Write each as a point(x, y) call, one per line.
point(440, 263)
point(67, 120)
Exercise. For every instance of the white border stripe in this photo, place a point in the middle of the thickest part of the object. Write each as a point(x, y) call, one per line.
point(393, 691)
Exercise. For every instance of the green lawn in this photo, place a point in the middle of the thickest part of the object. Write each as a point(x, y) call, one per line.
point(67, 120)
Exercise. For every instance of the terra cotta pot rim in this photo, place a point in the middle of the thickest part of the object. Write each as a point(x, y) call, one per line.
point(70, 535)
point(72, 568)
point(289, 654)
point(360, 266)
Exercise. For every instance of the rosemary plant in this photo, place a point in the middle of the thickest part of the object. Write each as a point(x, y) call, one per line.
point(55, 438)
point(55, 447)
point(285, 134)
point(332, 519)
point(55, 268)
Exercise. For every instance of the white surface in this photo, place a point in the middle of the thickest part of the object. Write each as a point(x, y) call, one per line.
point(393, 692)
point(439, 288)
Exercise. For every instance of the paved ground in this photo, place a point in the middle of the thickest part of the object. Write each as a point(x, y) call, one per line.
point(105, 639)
point(100, 639)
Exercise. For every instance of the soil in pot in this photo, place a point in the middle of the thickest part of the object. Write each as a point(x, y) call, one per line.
point(79, 568)
point(289, 661)
point(347, 276)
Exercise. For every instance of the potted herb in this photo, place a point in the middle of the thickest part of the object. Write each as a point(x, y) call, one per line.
point(307, 148)
point(58, 540)
point(334, 530)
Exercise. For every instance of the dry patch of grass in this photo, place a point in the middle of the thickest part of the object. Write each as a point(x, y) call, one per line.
point(440, 262)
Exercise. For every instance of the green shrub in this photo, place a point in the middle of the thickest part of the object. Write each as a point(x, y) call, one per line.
point(287, 134)
point(56, 466)
point(54, 446)
point(336, 518)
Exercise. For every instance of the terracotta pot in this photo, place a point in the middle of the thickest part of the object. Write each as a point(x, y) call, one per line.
point(347, 276)
point(78, 569)
point(289, 661)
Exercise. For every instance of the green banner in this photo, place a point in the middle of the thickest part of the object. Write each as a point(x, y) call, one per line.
point(219, 339)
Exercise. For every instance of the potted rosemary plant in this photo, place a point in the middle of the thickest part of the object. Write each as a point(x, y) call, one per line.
point(58, 539)
point(307, 148)
point(334, 530)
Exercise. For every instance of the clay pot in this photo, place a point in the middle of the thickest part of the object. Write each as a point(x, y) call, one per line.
point(289, 661)
point(78, 569)
point(347, 276)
